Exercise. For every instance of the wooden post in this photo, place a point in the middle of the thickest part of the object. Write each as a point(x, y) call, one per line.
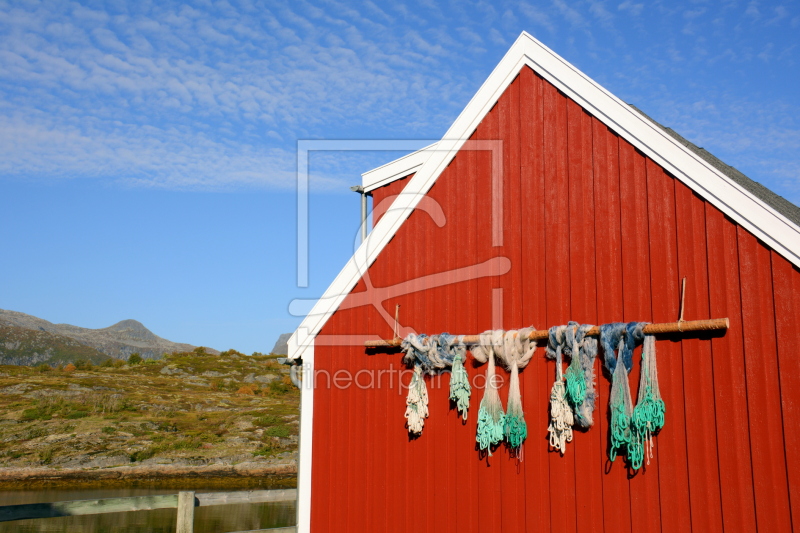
point(185, 512)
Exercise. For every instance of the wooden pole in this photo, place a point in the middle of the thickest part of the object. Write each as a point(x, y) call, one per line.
point(185, 512)
point(714, 324)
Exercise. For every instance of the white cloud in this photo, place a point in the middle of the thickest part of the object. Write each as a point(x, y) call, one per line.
point(243, 81)
point(632, 8)
point(598, 9)
point(536, 16)
point(572, 15)
point(752, 10)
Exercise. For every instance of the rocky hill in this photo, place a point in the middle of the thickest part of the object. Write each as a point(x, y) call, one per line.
point(56, 343)
point(20, 346)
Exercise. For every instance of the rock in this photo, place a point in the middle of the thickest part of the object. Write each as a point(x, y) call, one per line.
point(249, 378)
point(212, 374)
point(267, 378)
point(282, 344)
point(15, 389)
point(58, 437)
point(107, 461)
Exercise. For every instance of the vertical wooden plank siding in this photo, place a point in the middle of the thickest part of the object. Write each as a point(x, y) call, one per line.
point(673, 476)
point(489, 472)
point(383, 196)
point(595, 232)
point(701, 431)
point(557, 290)
point(763, 386)
point(644, 489)
point(537, 378)
point(608, 253)
point(730, 386)
point(786, 283)
point(511, 468)
point(469, 319)
point(583, 296)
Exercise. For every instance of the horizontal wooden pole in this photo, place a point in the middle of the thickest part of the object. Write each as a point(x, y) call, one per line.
point(246, 496)
point(82, 507)
point(291, 529)
point(138, 503)
point(714, 324)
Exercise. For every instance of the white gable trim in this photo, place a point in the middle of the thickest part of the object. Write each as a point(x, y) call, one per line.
point(399, 168)
point(728, 196)
point(306, 436)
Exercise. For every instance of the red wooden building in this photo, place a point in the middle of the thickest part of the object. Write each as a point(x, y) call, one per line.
point(595, 215)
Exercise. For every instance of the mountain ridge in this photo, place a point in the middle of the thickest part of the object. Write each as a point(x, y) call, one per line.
point(117, 341)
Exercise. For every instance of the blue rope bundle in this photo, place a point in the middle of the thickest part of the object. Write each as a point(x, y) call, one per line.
point(432, 355)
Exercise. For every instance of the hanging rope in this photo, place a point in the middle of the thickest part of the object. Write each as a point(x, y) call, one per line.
point(516, 354)
point(428, 355)
point(648, 415)
point(624, 337)
point(491, 419)
point(583, 350)
point(561, 417)
point(460, 389)
point(416, 403)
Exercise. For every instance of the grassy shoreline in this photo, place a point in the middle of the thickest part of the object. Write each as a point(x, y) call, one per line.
point(177, 483)
point(188, 410)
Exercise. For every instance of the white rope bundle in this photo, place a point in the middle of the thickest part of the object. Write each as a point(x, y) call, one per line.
point(416, 403)
point(561, 417)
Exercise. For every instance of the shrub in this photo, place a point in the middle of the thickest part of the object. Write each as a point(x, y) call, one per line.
point(35, 413)
point(279, 387)
point(265, 450)
point(135, 358)
point(109, 430)
point(44, 367)
point(74, 415)
point(119, 363)
point(246, 389)
point(46, 456)
point(267, 420)
point(83, 364)
point(141, 455)
point(70, 368)
point(108, 363)
point(278, 431)
point(200, 350)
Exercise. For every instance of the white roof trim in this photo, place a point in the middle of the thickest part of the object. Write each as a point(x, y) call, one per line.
point(732, 199)
point(399, 168)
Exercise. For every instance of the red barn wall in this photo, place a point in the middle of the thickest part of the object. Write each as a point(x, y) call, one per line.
point(596, 232)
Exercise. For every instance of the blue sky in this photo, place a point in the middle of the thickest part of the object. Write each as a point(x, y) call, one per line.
point(147, 149)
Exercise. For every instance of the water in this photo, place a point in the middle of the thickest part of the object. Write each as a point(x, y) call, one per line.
point(212, 519)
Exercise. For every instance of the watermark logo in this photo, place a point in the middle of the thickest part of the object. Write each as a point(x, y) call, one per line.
point(394, 210)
